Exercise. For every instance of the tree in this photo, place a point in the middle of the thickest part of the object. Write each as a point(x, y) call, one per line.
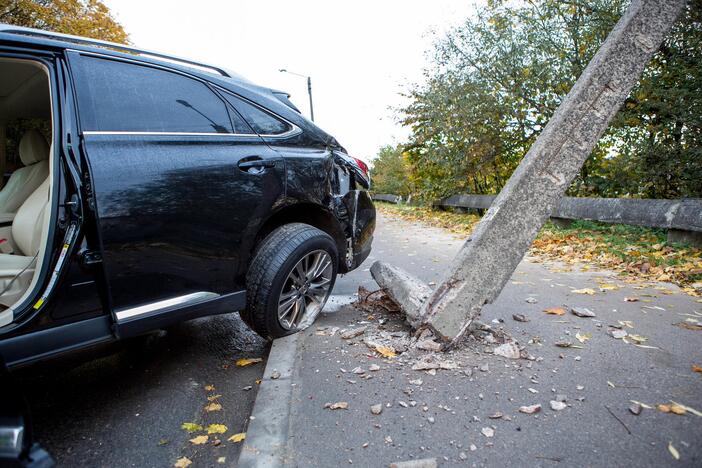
point(497, 79)
point(89, 18)
point(392, 173)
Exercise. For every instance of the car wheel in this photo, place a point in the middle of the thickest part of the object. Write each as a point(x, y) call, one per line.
point(289, 280)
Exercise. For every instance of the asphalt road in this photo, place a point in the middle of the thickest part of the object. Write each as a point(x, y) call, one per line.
point(442, 416)
point(124, 405)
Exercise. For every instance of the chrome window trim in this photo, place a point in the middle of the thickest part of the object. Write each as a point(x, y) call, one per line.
point(294, 130)
point(145, 309)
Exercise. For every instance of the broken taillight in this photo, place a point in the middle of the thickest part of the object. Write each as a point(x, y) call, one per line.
point(362, 165)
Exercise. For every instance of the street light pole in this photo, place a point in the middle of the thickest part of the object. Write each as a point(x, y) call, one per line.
point(309, 88)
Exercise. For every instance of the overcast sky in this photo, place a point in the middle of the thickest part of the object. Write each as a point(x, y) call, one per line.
point(360, 54)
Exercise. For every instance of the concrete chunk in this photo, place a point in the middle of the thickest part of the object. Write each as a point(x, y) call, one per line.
point(408, 291)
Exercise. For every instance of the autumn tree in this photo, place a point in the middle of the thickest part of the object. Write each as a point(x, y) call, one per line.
point(495, 81)
point(89, 18)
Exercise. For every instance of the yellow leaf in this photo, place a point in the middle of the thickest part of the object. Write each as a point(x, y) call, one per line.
point(588, 291)
point(209, 388)
point(191, 427)
point(216, 429)
point(663, 408)
point(687, 408)
point(555, 311)
point(213, 407)
point(637, 338)
point(199, 440)
point(213, 397)
point(583, 337)
point(386, 351)
point(237, 437)
point(673, 451)
point(608, 287)
point(183, 462)
point(258, 381)
point(696, 368)
point(677, 409)
point(248, 361)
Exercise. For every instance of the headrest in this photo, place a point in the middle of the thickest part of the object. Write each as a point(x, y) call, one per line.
point(33, 147)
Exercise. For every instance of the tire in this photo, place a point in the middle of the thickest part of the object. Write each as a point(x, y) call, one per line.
point(275, 278)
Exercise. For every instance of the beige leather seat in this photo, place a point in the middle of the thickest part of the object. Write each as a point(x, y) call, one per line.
point(34, 153)
point(17, 269)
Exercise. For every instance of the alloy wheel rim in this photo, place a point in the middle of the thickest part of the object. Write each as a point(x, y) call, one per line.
point(305, 290)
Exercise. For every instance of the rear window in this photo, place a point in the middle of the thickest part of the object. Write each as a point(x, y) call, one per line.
point(261, 121)
point(119, 96)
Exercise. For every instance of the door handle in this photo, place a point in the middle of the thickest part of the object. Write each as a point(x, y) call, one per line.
point(257, 162)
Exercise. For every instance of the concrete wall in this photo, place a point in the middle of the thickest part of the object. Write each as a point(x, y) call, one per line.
point(682, 218)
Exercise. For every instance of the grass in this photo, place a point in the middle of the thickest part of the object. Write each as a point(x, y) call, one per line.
point(634, 252)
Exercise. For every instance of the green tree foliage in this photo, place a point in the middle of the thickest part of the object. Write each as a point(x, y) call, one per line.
point(496, 80)
point(89, 18)
point(392, 173)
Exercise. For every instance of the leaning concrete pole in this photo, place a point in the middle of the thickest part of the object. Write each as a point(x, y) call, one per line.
point(487, 260)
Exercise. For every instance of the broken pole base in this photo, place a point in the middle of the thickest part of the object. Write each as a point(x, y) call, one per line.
point(409, 292)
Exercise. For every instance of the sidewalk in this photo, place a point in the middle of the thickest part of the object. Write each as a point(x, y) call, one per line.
point(463, 408)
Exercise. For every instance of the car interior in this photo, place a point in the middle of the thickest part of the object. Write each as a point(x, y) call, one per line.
point(25, 162)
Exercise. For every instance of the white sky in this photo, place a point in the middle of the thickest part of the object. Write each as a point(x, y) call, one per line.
point(360, 53)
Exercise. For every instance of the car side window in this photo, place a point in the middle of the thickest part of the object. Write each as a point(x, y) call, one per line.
point(124, 97)
point(261, 121)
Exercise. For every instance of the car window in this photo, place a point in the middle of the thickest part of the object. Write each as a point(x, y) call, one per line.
point(261, 121)
point(119, 96)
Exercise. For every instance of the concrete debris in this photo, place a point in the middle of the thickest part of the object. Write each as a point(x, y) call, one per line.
point(635, 409)
point(353, 333)
point(424, 463)
point(618, 334)
point(488, 432)
point(432, 362)
point(337, 405)
point(531, 300)
point(582, 312)
point(428, 345)
point(374, 367)
point(376, 409)
point(531, 409)
point(520, 317)
point(557, 405)
point(508, 350)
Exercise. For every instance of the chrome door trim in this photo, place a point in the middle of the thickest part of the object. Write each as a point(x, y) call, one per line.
point(145, 309)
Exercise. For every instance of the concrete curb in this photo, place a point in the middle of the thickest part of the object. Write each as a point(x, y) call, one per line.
point(267, 434)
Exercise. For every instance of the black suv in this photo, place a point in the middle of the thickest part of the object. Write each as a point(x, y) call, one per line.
point(150, 189)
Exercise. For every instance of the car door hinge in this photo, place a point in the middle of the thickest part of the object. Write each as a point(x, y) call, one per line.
point(91, 257)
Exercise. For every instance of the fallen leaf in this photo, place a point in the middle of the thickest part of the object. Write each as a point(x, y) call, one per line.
point(337, 405)
point(209, 388)
point(216, 429)
point(555, 311)
point(248, 361)
point(673, 451)
point(213, 397)
point(386, 351)
point(626, 323)
point(696, 368)
point(631, 299)
point(588, 291)
point(199, 440)
point(191, 427)
point(608, 287)
point(583, 337)
point(237, 437)
point(688, 326)
point(213, 407)
point(689, 409)
point(183, 462)
point(637, 338)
